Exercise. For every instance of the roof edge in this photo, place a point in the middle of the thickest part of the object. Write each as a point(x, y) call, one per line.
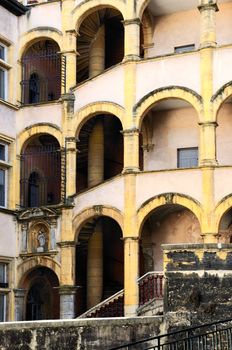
point(14, 7)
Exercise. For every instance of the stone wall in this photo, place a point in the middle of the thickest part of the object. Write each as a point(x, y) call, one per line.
point(198, 287)
point(97, 334)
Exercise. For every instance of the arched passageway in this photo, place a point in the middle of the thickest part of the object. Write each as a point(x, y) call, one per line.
point(42, 294)
point(168, 224)
point(99, 262)
point(169, 136)
point(100, 44)
point(98, 158)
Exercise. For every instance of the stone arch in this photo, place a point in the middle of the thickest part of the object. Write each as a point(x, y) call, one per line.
point(168, 198)
point(148, 28)
point(95, 108)
point(141, 6)
point(220, 97)
point(34, 262)
point(96, 211)
point(221, 208)
point(178, 92)
point(37, 129)
point(37, 34)
point(85, 8)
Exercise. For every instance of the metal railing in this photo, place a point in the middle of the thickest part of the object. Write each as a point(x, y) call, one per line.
point(44, 76)
point(211, 336)
point(150, 287)
point(42, 176)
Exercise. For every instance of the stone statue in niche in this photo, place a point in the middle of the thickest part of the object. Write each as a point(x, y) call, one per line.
point(41, 240)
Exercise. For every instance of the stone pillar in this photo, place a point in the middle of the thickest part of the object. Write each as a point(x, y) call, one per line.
point(207, 156)
point(132, 39)
point(19, 304)
point(131, 274)
point(67, 277)
point(67, 302)
point(70, 166)
point(69, 43)
point(95, 267)
point(97, 53)
point(96, 155)
point(131, 150)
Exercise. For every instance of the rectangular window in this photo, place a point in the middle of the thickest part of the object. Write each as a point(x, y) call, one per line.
point(2, 307)
point(2, 188)
point(3, 152)
point(2, 83)
point(187, 157)
point(3, 275)
point(2, 52)
point(185, 48)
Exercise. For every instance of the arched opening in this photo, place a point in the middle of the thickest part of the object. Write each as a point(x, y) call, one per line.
point(223, 133)
point(42, 295)
point(41, 72)
point(225, 227)
point(100, 44)
point(170, 136)
point(40, 181)
point(163, 27)
point(98, 158)
point(99, 262)
point(168, 224)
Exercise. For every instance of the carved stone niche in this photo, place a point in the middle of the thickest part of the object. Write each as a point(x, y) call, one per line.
point(39, 237)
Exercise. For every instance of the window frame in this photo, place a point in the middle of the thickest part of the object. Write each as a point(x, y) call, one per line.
point(179, 160)
point(5, 67)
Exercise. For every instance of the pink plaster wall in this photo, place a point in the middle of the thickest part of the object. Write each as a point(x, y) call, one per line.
point(223, 24)
point(178, 227)
point(224, 135)
point(176, 29)
point(172, 129)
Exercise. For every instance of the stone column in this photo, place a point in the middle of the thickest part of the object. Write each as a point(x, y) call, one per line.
point(70, 166)
point(97, 53)
point(131, 274)
point(67, 277)
point(67, 302)
point(132, 39)
point(131, 150)
point(19, 304)
point(95, 267)
point(207, 158)
point(96, 155)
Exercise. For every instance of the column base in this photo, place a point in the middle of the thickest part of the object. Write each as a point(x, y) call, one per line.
point(130, 310)
point(129, 170)
point(67, 302)
point(129, 58)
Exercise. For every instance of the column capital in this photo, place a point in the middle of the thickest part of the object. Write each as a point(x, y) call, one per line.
point(131, 131)
point(127, 22)
point(68, 97)
point(208, 123)
point(67, 290)
point(19, 292)
point(66, 244)
point(130, 238)
point(208, 6)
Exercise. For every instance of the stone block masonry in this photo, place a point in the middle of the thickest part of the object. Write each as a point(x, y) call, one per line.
point(91, 334)
point(198, 284)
